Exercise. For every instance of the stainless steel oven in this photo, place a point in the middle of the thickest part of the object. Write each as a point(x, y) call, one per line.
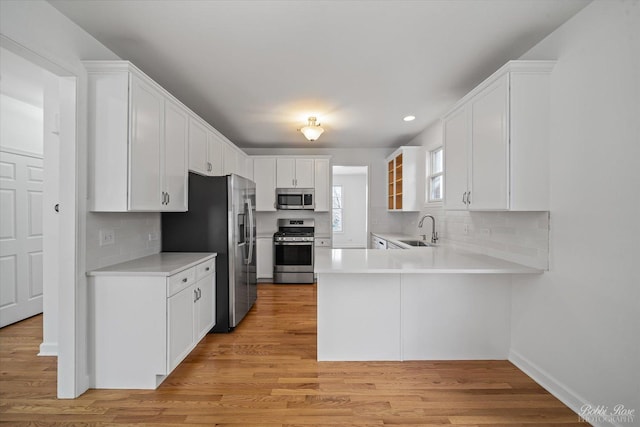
point(293, 246)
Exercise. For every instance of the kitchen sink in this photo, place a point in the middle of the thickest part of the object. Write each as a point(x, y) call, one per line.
point(416, 243)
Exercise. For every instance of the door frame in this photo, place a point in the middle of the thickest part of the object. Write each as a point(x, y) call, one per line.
point(367, 171)
point(72, 365)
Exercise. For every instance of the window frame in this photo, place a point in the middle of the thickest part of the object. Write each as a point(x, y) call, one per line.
point(430, 176)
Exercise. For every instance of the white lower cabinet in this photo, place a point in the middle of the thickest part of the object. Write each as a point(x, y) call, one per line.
point(147, 315)
point(264, 249)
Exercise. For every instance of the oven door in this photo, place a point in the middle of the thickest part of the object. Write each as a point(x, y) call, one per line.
point(293, 256)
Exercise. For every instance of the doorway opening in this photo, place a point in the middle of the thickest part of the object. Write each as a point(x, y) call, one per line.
point(350, 206)
point(40, 97)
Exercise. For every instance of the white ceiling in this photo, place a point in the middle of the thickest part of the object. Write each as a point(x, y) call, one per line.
point(257, 69)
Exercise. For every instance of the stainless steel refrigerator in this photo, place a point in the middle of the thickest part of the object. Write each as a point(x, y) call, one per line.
point(221, 218)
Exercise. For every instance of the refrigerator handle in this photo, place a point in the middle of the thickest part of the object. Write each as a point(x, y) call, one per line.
point(251, 227)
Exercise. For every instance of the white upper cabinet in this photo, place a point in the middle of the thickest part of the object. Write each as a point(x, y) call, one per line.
point(496, 142)
point(264, 173)
point(215, 153)
point(147, 110)
point(455, 159)
point(295, 173)
point(174, 154)
point(198, 151)
point(137, 142)
point(322, 185)
point(230, 161)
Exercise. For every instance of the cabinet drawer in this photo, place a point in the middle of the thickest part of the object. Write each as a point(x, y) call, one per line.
point(205, 268)
point(179, 281)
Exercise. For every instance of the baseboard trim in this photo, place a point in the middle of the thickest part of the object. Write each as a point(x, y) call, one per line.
point(565, 394)
point(48, 349)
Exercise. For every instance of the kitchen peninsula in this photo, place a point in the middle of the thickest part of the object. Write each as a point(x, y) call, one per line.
point(432, 303)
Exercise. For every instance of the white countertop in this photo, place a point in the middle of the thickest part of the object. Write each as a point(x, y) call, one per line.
point(429, 260)
point(162, 264)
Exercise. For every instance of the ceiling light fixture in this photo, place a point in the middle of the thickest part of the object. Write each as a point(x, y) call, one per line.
point(409, 118)
point(312, 131)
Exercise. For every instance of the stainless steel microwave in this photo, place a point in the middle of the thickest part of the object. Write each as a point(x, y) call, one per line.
point(295, 198)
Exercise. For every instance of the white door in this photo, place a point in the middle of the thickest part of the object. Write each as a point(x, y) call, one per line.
point(21, 180)
point(205, 307)
point(180, 308)
point(455, 157)
point(264, 172)
point(305, 173)
point(229, 161)
point(285, 173)
point(198, 161)
point(147, 116)
point(490, 147)
point(216, 154)
point(321, 181)
point(175, 158)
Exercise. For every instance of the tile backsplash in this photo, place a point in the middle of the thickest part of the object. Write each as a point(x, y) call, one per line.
point(131, 232)
point(521, 237)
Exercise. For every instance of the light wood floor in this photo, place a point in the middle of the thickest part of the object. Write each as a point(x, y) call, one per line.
point(265, 374)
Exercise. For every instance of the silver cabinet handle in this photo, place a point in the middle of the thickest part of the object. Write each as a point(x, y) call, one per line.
point(199, 293)
point(184, 280)
point(469, 198)
point(168, 198)
point(195, 295)
point(207, 269)
point(464, 198)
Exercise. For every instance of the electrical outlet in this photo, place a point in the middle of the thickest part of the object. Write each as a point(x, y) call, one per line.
point(153, 236)
point(107, 237)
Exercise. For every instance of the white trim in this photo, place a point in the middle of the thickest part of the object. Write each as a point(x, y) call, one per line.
point(71, 373)
point(48, 349)
point(21, 153)
point(562, 392)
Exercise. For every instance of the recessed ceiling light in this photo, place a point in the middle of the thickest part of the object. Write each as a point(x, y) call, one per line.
point(409, 118)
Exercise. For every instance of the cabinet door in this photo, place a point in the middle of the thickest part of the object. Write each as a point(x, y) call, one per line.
point(321, 180)
point(286, 173)
point(180, 308)
point(305, 173)
point(147, 114)
point(455, 156)
point(216, 154)
point(229, 159)
point(490, 147)
point(205, 306)
point(175, 157)
point(264, 172)
point(198, 161)
point(264, 251)
point(249, 167)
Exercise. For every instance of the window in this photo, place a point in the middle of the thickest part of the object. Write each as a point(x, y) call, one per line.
point(336, 213)
point(435, 178)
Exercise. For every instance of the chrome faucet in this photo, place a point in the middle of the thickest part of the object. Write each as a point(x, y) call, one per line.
point(434, 235)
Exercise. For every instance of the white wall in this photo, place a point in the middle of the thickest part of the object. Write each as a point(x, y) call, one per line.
point(354, 198)
point(20, 125)
point(577, 327)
